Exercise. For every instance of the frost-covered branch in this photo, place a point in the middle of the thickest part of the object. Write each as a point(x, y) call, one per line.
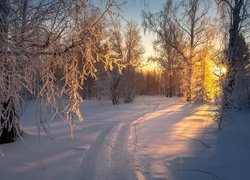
point(47, 49)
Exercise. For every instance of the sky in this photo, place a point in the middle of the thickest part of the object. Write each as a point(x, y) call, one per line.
point(132, 10)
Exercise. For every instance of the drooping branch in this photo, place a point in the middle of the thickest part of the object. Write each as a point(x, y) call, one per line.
point(66, 49)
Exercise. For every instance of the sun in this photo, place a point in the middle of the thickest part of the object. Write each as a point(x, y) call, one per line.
point(220, 70)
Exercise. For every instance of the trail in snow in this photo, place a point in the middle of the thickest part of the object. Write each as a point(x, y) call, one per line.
point(110, 158)
point(132, 148)
point(155, 138)
point(172, 123)
point(114, 157)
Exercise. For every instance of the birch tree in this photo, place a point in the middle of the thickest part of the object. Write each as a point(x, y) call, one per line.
point(114, 76)
point(133, 56)
point(38, 39)
point(236, 15)
point(9, 117)
point(128, 50)
point(189, 17)
point(170, 61)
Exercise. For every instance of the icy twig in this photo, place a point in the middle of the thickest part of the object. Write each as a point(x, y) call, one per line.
point(204, 172)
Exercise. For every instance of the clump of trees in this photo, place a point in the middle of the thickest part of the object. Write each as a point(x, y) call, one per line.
point(58, 49)
point(199, 45)
point(48, 48)
point(54, 49)
point(184, 33)
point(156, 81)
point(126, 50)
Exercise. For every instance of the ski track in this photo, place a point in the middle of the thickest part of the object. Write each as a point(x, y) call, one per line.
point(111, 156)
point(155, 138)
point(146, 140)
point(92, 154)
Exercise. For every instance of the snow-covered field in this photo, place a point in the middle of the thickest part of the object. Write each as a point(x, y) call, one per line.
point(153, 138)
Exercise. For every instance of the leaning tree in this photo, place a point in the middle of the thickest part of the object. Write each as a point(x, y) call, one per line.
point(235, 14)
point(47, 47)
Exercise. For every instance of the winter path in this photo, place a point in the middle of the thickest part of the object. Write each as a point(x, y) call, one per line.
point(155, 138)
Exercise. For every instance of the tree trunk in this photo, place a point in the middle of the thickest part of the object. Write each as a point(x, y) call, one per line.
point(233, 97)
point(8, 132)
point(115, 94)
point(7, 126)
point(170, 83)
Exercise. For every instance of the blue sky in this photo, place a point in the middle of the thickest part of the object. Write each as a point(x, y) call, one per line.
point(132, 11)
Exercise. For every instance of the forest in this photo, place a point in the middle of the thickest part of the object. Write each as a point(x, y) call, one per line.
point(83, 69)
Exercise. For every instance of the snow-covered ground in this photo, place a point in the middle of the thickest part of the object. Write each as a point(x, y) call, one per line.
point(153, 138)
